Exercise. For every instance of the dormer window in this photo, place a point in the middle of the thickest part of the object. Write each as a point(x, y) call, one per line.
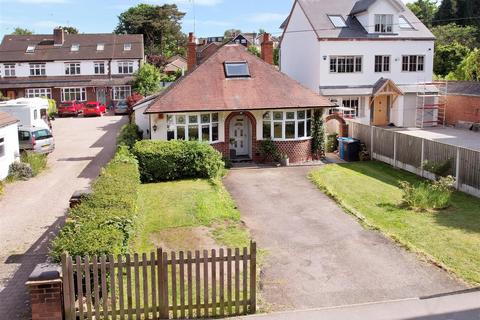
point(237, 69)
point(75, 47)
point(30, 49)
point(100, 46)
point(127, 47)
point(337, 21)
point(403, 23)
point(383, 23)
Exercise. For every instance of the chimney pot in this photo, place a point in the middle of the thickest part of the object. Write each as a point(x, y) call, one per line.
point(267, 48)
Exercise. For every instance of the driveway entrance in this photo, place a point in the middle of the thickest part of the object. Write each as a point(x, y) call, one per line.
point(319, 256)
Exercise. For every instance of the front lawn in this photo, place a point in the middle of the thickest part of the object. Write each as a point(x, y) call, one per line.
point(369, 190)
point(187, 215)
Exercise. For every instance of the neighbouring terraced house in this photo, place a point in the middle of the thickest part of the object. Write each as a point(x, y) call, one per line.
point(63, 66)
point(373, 58)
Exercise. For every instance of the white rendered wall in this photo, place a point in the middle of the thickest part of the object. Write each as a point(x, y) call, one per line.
point(10, 134)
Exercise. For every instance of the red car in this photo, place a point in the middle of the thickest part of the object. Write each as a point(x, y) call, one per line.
point(94, 108)
point(70, 108)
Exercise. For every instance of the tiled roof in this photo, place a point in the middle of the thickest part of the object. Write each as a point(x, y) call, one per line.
point(6, 119)
point(13, 47)
point(471, 88)
point(64, 81)
point(207, 89)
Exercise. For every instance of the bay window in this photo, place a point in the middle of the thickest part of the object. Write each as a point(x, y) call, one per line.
point(70, 94)
point(39, 93)
point(193, 127)
point(121, 92)
point(287, 125)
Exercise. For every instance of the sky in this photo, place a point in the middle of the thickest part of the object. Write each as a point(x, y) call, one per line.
point(212, 17)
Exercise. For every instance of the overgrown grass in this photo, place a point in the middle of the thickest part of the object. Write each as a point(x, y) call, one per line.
point(171, 212)
point(370, 191)
point(38, 162)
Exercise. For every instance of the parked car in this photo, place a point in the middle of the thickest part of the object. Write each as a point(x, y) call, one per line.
point(70, 108)
point(120, 107)
point(36, 139)
point(94, 108)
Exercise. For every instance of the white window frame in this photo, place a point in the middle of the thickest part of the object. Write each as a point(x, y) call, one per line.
point(337, 20)
point(9, 69)
point(100, 46)
point(413, 66)
point(97, 65)
point(30, 49)
point(2, 147)
point(383, 23)
point(125, 67)
point(383, 62)
point(340, 64)
point(72, 68)
point(127, 47)
point(268, 119)
point(80, 93)
point(120, 93)
point(173, 125)
point(38, 93)
point(347, 102)
point(38, 69)
point(75, 47)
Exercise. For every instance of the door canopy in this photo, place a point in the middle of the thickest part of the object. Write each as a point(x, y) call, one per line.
point(386, 87)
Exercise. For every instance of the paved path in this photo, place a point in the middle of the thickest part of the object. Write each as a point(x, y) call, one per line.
point(319, 256)
point(32, 211)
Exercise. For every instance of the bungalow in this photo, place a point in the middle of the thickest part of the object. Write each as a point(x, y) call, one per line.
point(234, 100)
point(8, 143)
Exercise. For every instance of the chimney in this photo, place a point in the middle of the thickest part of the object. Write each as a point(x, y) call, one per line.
point(58, 36)
point(267, 48)
point(191, 51)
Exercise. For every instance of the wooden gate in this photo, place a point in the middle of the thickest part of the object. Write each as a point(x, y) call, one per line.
point(160, 285)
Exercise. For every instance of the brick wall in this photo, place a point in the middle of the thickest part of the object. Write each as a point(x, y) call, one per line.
point(463, 108)
point(46, 299)
point(297, 151)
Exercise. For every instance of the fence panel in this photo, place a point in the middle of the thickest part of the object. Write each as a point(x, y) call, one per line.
point(408, 149)
point(159, 286)
point(469, 171)
point(437, 152)
point(361, 132)
point(383, 142)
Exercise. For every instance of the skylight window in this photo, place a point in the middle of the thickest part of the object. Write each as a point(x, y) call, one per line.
point(337, 21)
point(30, 49)
point(403, 23)
point(75, 47)
point(127, 47)
point(237, 69)
point(100, 46)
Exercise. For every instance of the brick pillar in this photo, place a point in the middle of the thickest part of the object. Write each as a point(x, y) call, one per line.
point(45, 288)
point(343, 130)
point(267, 48)
point(191, 52)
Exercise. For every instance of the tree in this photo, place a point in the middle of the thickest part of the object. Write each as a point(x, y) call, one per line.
point(448, 57)
point(22, 32)
point(276, 56)
point(469, 68)
point(446, 11)
point(230, 33)
point(425, 10)
point(147, 79)
point(160, 26)
point(70, 30)
point(254, 50)
point(452, 32)
point(318, 134)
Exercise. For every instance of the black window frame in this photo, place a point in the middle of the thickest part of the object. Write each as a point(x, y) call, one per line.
point(246, 74)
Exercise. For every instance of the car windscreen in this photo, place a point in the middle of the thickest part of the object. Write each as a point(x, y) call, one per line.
point(42, 134)
point(23, 135)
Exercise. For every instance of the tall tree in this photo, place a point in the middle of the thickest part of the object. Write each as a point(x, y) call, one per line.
point(69, 29)
point(446, 11)
point(452, 32)
point(147, 79)
point(425, 10)
point(22, 32)
point(469, 69)
point(160, 26)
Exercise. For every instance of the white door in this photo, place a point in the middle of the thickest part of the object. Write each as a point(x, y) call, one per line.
point(101, 96)
point(239, 135)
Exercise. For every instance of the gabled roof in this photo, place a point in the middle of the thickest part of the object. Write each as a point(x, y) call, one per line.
point(13, 47)
point(363, 5)
point(207, 89)
point(317, 12)
point(6, 119)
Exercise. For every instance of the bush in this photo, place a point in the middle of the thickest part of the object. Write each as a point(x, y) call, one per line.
point(440, 169)
point(38, 162)
point(428, 195)
point(172, 160)
point(268, 150)
point(2, 187)
point(19, 171)
point(332, 142)
point(129, 135)
point(102, 223)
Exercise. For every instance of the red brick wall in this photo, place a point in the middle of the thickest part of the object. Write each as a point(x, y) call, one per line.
point(463, 108)
point(46, 300)
point(297, 150)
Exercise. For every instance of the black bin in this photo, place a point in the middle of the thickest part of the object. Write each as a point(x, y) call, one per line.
point(352, 149)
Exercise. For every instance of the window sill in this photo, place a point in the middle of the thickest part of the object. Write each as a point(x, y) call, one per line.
point(287, 140)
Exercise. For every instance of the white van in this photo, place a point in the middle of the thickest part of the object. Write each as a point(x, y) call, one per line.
point(32, 112)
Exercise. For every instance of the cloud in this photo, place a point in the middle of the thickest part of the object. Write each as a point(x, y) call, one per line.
point(267, 17)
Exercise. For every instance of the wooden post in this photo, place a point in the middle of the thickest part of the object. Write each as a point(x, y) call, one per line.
point(394, 149)
point(372, 140)
point(253, 277)
point(457, 169)
point(66, 288)
point(422, 158)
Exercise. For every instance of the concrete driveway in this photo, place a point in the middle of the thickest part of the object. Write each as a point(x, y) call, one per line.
point(32, 211)
point(319, 256)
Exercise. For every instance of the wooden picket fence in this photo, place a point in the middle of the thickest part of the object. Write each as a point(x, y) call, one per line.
point(160, 285)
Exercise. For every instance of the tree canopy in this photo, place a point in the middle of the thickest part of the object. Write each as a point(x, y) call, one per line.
point(425, 10)
point(231, 32)
point(469, 68)
point(160, 26)
point(22, 32)
point(69, 29)
point(147, 79)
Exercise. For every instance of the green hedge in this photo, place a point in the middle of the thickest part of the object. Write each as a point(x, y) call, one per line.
point(129, 135)
point(103, 221)
point(172, 160)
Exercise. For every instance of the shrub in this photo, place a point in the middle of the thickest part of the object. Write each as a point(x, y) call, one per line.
point(318, 134)
point(268, 150)
point(332, 143)
point(172, 160)
point(38, 162)
point(2, 187)
point(19, 171)
point(440, 169)
point(428, 195)
point(102, 223)
point(129, 135)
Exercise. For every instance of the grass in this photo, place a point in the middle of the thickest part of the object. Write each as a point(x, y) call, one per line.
point(185, 214)
point(370, 191)
point(38, 162)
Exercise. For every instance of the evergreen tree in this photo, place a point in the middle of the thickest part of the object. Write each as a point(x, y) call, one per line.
point(446, 11)
point(318, 134)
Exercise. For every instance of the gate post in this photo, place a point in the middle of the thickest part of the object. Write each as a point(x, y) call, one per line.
point(45, 288)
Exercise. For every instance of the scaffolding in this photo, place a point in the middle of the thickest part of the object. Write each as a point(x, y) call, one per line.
point(431, 104)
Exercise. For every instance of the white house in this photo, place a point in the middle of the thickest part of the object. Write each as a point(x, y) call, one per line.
point(373, 58)
point(8, 142)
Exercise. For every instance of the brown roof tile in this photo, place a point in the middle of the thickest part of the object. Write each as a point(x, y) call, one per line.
point(6, 119)
point(207, 89)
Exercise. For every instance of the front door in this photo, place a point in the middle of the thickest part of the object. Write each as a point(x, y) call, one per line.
point(101, 96)
point(380, 111)
point(239, 135)
point(11, 94)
